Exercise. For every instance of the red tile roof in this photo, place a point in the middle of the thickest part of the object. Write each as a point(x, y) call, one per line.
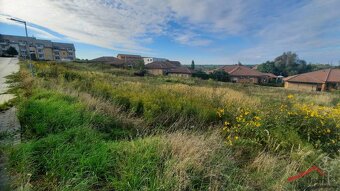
point(181, 70)
point(240, 70)
point(161, 65)
point(108, 60)
point(320, 76)
point(271, 75)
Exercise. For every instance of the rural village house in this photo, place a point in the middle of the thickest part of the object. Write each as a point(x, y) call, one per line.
point(321, 80)
point(109, 60)
point(172, 68)
point(122, 60)
point(129, 57)
point(181, 71)
point(243, 74)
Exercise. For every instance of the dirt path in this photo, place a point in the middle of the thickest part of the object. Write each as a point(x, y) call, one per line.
point(9, 123)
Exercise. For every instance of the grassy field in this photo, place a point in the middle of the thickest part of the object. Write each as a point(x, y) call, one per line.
point(93, 127)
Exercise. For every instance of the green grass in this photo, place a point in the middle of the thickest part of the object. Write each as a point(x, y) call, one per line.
point(48, 112)
point(79, 159)
point(7, 105)
point(94, 127)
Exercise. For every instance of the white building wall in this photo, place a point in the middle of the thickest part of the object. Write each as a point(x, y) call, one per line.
point(148, 60)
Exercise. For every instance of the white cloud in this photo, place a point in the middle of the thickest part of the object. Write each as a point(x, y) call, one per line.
point(312, 31)
point(130, 25)
point(115, 24)
point(120, 24)
point(39, 33)
point(191, 39)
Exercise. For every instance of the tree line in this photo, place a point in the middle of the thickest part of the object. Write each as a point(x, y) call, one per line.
point(289, 64)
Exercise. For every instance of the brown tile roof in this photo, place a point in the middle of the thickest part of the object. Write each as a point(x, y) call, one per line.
point(105, 59)
point(270, 75)
point(240, 70)
point(176, 63)
point(180, 70)
point(334, 75)
point(161, 65)
point(320, 76)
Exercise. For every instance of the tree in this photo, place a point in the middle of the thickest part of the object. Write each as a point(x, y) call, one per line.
point(193, 64)
point(201, 74)
point(286, 64)
point(11, 51)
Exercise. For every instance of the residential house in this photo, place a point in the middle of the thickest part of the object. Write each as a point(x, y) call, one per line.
point(130, 60)
point(180, 71)
point(38, 49)
point(109, 60)
point(321, 80)
point(129, 57)
point(161, 67)
point(243, 74)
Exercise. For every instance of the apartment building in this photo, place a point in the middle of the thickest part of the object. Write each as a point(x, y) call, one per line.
point(38, 49)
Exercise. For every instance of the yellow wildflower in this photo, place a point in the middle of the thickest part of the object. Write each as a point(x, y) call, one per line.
point(290, 96)
point(257, 118)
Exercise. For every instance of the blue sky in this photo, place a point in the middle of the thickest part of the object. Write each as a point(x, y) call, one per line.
point(207, 31)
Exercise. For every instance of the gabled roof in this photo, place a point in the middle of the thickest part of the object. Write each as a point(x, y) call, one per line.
point(176, 63)
point(161, 65)
point(30, 40)
point(270, 75)
point(62, 45)
point(240, 70)
point(181, 70)
point(105, 59)
point(320, 76)
point(108, 60)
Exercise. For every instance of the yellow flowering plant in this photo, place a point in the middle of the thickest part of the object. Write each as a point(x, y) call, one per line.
point(245, 124)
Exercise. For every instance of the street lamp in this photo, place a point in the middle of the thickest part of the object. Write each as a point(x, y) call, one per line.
point(27, 47)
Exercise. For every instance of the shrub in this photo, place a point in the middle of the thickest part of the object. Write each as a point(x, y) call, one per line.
point(220, 75)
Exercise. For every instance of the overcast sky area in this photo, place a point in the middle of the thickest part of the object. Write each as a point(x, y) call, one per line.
point(207, 31)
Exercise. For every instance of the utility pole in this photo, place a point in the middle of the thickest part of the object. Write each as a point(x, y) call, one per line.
point(27, 46)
